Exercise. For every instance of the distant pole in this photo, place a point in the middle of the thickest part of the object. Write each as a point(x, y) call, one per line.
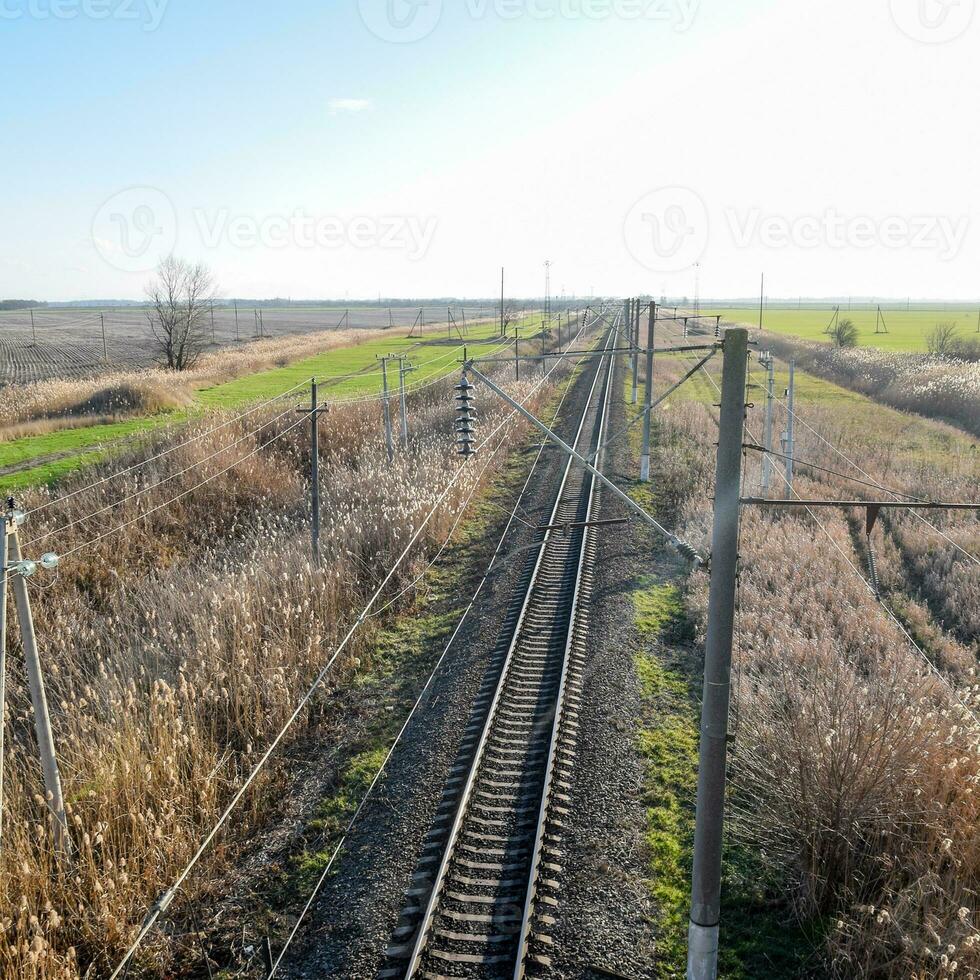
point(105, 346)
point(635, 341)
point(261, 325)
point(389, 442)
point(762, 300)
point(517, 356)
point(702, 953)
point(315, 471)
point(391, 322)
point(648, 410)
point(42, 719)
point(627, 320)
point(33, 330)
point(770, 362)
point(238, 336)
point(212, 324)
point(403, 370)
point(789, 438)
point(502, 302)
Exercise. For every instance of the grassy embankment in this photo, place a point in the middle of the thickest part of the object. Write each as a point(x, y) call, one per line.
point(353, 370)
point(907, 330)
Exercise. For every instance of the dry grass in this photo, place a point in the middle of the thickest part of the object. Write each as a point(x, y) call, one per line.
point(60, 403)
point(176, 649)
point(855, 768)
point(937, 387)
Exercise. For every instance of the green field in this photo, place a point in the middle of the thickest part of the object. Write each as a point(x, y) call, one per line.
point(907, 330)
point(345, 372)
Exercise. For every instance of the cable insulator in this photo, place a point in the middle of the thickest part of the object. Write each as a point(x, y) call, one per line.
point(465, 417)
point(873, 569)
point(688, 551)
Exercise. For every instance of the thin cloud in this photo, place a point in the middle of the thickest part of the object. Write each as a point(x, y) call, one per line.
point(339, 106)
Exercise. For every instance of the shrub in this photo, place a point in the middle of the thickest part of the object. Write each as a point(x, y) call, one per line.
point(845, 333)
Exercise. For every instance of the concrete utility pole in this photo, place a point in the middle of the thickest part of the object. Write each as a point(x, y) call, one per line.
point(770, 364)
point(648, 411)
point(635, 340)
point(39, 701)
point(212, 324)
point(403, 369)
point(105, 347)
point(386, 402)
point(517, 356)
point(702, 954)
point(762, 299)
point(315, 411)
point(502, 329)
point(238, 336)
point(33, 331)
point(789, 436)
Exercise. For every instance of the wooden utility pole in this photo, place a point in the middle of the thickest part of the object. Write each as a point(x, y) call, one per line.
point(702, 955)
point(35, 680)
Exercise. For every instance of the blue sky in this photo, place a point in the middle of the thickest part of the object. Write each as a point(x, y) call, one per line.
point(300, 154)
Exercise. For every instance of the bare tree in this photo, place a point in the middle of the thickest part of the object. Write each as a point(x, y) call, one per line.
point(845, 334)
point(181, 296)
point(942, 339)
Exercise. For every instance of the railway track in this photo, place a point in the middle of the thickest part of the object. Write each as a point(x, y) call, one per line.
point(491, 864)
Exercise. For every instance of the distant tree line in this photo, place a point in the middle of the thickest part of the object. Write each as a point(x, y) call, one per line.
point(21, 304)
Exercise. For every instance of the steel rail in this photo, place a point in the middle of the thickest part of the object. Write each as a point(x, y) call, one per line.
point(560, 701)
point(450, 848)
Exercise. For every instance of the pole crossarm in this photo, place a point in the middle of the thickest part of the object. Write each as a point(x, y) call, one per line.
point(687, 550)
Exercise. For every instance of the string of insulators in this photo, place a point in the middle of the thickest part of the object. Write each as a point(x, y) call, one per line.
point(873, 568)
point(465, 417)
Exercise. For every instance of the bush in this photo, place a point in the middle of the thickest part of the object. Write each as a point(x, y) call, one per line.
point(845, 334)
point(942, 339)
